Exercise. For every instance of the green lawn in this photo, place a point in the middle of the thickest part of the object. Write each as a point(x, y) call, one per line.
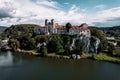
point(105, 57)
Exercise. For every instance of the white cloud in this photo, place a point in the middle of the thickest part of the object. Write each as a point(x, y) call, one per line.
point(100, 6)
point(48, 3)
point(105, 16)
point(27, 11)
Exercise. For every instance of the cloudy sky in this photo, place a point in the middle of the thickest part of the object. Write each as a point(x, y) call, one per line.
point(101, 13)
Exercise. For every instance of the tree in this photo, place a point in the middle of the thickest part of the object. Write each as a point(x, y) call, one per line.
point(51, 46)
point(67, 49)
point(14, 43)
point(102, 36)
point(43, 51)
point(55, 44)
point(80, 47)
point(41, 38)
point(66, 39)
point(59, 48)
point(27, 43)
point(111, 48)
point(0, 42)
point(68, 26)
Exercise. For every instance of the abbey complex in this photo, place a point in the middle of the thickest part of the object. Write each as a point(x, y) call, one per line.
point(55, 28)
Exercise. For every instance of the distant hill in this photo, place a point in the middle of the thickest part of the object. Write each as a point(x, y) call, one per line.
point(112, 31)
point(20, 30)
point(2, 28)
point(110, 28)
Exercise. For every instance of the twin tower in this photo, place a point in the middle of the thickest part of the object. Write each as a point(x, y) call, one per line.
point(49, 25)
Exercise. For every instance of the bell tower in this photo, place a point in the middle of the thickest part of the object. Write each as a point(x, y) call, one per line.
point(46, 25)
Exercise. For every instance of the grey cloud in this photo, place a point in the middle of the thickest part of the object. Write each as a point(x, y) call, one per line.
point(5, 13)
point(108, 23)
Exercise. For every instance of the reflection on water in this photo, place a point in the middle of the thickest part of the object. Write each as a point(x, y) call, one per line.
point(6, 59)
point(24, 67)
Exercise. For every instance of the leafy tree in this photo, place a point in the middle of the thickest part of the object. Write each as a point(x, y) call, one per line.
point(0, 42)
point(55, 44)
point(66, 39)
point(41, 38)
point(68, 26)
point(111, 48)
point(27, 43)
point(43, 51)
point(102, 36)
point(59, 48)
point(17, 31)
point(14, 43)
point(51, 46)
point(67, 49)
point(80, 47)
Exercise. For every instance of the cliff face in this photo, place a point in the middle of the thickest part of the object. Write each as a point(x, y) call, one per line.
point(89, 44)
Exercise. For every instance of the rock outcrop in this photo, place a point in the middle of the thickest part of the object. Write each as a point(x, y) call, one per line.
point(91, 44)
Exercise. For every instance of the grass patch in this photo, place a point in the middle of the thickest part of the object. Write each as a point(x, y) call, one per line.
point(105, 57)
point(34, 52)
point(86, 55)
point(53, 55)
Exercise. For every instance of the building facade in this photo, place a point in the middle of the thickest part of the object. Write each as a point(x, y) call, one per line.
point(55, 28)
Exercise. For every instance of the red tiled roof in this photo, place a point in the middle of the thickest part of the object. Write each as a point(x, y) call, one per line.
point(40, 27)
point(73, 27)
point(63, 27)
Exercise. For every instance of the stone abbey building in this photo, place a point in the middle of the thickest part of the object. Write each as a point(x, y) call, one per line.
point(54, 28)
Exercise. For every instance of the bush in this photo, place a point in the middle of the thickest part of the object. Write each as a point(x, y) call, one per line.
point(111, 48)
point(44, 51)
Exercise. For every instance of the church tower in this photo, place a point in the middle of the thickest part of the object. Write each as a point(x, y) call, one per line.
point(49, 26)
point(52, 25)
point(46, 25)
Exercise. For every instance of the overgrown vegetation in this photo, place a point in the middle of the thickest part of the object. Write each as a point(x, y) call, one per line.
point(24, 38)
point(105, 57)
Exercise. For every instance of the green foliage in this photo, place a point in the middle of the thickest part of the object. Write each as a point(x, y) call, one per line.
point(68, 26)
point(17, 31)
point(0, 42)
point(66, 39)
point(112, 31)
point(80, 47)
point(51, 46)
point(111, 48)
point(27, 43)
point(14, 44)
point(99, 34)
point(41, 38)
point(55, 44)
point(67, 49)
point(105, 57)
point(102, 36)
point(59, 48)
point(43, 51)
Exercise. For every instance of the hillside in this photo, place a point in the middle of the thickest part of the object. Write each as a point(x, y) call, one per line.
point(111, 31)
point(19, 30)
point(2, 28)
point(115, 28)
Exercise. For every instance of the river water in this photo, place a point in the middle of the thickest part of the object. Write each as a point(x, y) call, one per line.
point(24, 67)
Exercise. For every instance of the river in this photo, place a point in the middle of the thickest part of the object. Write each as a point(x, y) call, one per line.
point(24, 67)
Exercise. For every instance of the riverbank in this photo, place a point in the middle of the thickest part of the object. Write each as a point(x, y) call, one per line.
point(107, 58)
point(98, 57)
point(29, 52)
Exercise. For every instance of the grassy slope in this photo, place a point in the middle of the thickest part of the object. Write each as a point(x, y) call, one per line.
point(105, 57)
